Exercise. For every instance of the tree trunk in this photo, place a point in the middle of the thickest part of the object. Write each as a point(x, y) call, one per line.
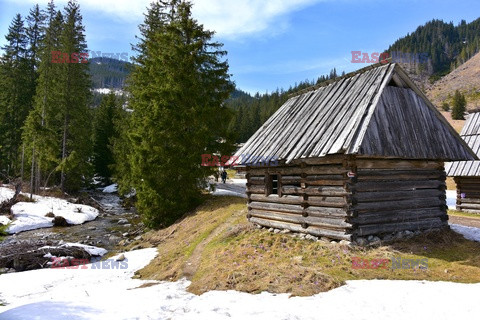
point(64, 153)
point(32, 173)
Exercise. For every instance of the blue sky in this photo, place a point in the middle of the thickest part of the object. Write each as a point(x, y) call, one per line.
point(271, 43)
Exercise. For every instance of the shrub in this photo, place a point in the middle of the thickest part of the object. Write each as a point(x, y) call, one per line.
point(3, 231)
point(458, 108)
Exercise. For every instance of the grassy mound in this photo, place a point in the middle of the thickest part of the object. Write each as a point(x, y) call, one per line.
point(217, 249)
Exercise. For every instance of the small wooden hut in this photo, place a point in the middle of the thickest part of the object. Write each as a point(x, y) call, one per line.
point(467, 173)
point(361, 155)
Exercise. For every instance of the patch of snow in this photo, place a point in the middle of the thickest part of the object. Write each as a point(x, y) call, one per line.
point(31, 215)
point(233, 187)
point(4, 220)
point(112, 294)
point(469, 233)
point(242, 182)
point(452, 199)
point(92, 250)
point(111, 188)
point(118, 92)
point(6, 194)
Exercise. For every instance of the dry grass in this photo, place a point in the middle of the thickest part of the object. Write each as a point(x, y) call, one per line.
point(464, 78)
point(463, 214)
point(451, 185)
point(177, 243)
point(233, 255)
point(456, 124)
point(24, 198)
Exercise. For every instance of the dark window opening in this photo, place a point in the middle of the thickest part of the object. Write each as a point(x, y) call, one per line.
point(274, 184)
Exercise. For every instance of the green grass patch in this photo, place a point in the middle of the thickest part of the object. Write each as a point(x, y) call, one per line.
point(463, 214)
point(231, 173)
point(3, 231)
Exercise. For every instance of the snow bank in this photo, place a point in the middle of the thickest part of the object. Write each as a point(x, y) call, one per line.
point(233, 187)
point(6, 194)
point(92, 250)
point(31, 215)
point(469, 233)
point(111, 188)
point(112, 294)
point(4, 220)
point(452, 199)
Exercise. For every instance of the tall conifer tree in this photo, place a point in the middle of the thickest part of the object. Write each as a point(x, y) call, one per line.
point(177, 94)
point(15, 95)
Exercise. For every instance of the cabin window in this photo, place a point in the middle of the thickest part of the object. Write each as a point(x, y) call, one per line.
point(274, 184)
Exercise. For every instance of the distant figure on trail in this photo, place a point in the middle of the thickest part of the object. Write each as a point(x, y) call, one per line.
point(224, 176)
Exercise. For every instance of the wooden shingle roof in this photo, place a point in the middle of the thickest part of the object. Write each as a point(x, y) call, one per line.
point(376, 112)
point(471, 134)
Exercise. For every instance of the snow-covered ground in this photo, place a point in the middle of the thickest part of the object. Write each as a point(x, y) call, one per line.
point(469, 233)
point(233, 187)
point(92, 250)
point(452, 199)
point(108, 293)
point(31, 215)
point(112, 294)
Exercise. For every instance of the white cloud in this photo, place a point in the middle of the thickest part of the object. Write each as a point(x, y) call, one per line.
point(233, 18)
point(229, 18)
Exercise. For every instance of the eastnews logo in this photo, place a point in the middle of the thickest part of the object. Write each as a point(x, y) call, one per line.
point(209, 160)
point(393, 263)
point(394, 56)
point(82, 57)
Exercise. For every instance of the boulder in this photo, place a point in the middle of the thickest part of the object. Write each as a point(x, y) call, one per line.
point(60, 221)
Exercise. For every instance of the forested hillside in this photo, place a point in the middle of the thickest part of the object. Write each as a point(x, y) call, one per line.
point(108, 72)
point(252, 111)
point(445, 45)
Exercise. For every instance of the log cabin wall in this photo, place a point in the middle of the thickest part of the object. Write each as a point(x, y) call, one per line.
point(398, 195)
point(468, 194)
point(344, 197)
point(307, 198)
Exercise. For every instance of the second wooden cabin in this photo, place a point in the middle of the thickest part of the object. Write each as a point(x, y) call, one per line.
point(467, 173)
point(361, 156)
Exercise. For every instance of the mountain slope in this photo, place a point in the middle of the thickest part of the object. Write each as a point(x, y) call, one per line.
point(109, 73)
point(466, 79)
point(439, 46)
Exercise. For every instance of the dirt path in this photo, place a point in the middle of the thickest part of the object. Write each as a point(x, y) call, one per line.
point(191, 265)
point(465, 221)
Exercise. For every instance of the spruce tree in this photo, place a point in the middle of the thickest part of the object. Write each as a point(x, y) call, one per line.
point(121, 149)
point(42, 133)
point(103, 133)
point(177, 92)
point(58, 130)
point(75, 95)
point(458, 106)
point(15, 96)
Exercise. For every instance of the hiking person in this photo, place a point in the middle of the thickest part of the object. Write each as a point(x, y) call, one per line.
point(224, 176)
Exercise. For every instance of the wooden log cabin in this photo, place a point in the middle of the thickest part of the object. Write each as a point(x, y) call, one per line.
point(467, 173)
point(362, 155)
